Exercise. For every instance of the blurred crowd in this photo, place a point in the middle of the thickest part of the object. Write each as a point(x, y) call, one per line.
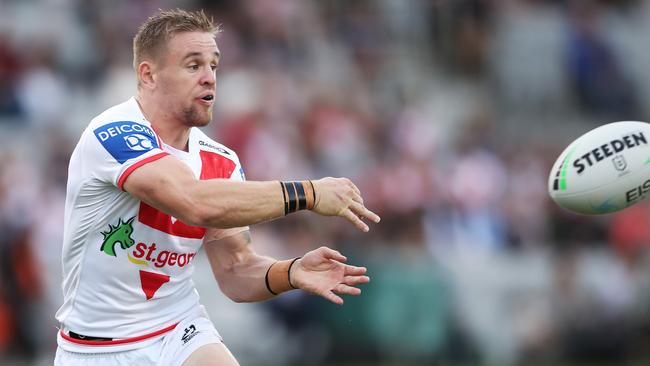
point(447, 114)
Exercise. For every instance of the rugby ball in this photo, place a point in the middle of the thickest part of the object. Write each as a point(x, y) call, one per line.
point(605, 170)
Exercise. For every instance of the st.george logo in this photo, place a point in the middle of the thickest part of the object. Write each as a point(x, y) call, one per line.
point(120, 233)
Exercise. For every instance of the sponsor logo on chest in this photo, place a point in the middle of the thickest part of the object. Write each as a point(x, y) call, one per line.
point(142, 254)
point(150, 255)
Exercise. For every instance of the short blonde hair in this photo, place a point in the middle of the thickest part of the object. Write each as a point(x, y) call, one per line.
point(153, 35)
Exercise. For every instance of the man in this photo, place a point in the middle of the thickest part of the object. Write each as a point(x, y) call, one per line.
point(146, 189)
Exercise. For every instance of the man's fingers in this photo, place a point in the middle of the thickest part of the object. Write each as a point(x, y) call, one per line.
point(361, 211)
point(353, 186)
point(356, 280)
point(333, 254)
point(329, 295)
point(344, 289)
point(348, 214)
point(357, 198)
point(356, 193)
point(354, 270)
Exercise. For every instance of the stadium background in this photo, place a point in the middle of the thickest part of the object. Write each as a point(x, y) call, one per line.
point(446, 113)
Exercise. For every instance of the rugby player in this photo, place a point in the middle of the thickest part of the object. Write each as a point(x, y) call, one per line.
point(147, 188)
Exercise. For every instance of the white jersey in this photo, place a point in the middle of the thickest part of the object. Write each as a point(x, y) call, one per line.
point(127, 267)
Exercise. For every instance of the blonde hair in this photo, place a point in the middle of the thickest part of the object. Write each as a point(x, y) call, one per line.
point(153, 35)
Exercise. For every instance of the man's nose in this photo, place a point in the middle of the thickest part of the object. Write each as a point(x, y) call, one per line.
point(208, 77)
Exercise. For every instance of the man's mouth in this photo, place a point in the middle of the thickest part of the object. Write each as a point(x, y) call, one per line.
point(206, 100)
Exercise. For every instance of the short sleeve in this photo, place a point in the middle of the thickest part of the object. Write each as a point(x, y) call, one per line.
point(238, 172)
point(114, 150)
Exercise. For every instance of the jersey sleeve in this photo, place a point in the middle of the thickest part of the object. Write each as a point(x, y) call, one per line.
point(213, 234)
point(114, 150)
point(238, 173)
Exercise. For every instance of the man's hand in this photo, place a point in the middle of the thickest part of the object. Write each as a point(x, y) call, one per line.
point(322, 272)
point(340, 197)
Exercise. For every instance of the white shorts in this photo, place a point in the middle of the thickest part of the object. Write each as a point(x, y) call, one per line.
point(171, 350)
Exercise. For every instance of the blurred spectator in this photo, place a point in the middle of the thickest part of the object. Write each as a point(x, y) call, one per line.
point(527, 56)
point(594, 68)
point(525, 201)
point(477, 186)
point(629, 233)
point(10, 67)
point(20, 278)
point(42, 92)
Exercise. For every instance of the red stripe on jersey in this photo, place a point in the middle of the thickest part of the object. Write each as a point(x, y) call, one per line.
point(161, 221)
point(213, 166)
point(129, 170)
point(118, 341)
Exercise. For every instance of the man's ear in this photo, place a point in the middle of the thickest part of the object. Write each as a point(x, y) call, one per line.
point(145, 73)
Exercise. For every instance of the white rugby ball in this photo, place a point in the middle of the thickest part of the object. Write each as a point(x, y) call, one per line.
point(605, 170)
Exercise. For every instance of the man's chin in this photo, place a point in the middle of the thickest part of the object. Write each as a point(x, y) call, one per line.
point(195, 119)
point(203, 120)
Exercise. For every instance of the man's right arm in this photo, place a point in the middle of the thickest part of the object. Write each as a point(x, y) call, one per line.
point(170, 186)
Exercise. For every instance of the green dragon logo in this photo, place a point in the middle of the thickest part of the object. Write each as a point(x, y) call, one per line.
point(121, 233)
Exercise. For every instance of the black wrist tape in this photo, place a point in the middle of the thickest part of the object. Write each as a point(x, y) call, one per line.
point(302, 200)
point(284, 196)
point(291, 195)
point(295, 196)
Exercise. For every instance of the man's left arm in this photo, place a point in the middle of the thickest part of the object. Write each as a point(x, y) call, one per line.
point(245, 276)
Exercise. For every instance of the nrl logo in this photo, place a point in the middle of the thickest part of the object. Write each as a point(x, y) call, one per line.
point(121, 233)
point(619, 163)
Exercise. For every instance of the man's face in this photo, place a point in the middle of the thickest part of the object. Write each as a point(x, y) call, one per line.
point(186, 82)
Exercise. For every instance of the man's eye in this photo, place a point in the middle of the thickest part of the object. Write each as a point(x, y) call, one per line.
point(214, 67)
point(194, 67)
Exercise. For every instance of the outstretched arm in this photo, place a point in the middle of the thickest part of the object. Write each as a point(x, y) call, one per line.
point(170, 186)
point(242, 274)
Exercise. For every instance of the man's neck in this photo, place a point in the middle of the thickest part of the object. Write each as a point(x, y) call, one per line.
point(169, 129)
